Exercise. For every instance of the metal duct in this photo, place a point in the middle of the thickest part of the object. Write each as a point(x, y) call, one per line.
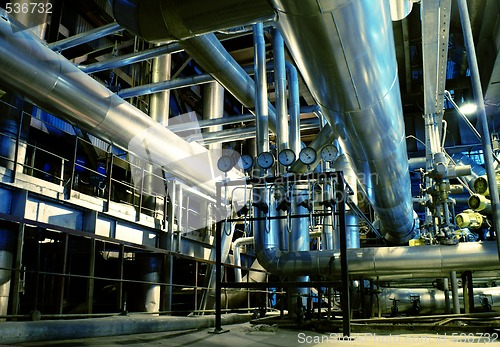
point(170, 20)
point(353, 77)
point(31, 69)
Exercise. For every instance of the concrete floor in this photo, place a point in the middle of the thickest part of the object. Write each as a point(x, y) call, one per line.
point(243, 335)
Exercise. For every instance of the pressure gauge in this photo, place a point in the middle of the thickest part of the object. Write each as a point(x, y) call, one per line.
point(286, 157)
point(265, 160)
point(225, 163)
point(308, 155)
point(245, 162)
point(329, 153)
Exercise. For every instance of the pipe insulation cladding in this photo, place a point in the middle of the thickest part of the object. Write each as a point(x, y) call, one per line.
point(29, 68)
point(351, 71)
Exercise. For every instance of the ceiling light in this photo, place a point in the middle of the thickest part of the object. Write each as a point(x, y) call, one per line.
point(468, 108)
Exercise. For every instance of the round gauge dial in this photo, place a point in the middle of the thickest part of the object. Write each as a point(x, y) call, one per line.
point(286, 157)
point(225, 163)
point(308, 155)
point(245, 162)
point(265, 160)
point(329, 153)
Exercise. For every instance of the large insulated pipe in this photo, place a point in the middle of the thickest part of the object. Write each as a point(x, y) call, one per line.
point(431, 300)
point(31, 69)
point(422, 261)
point(358, 63)
point(280, 92)
point(172, 20)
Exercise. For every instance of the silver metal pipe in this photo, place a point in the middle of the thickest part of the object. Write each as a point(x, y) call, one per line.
point(402, 261)
point(365, 107)
point(85, 37)
point(7, 249)
point(400, 9)
point(159, 104)
point(454, 292)
point(237, 256)
point(131, 58)
point(476, 169)
point(46, 78)
point(481, 112)
point(206, 123)
point(156, 87)
point(432, 300)
point(166, 21)
point(280, 92)
point(261, 103)
point(294, 107)
point(236, 134)
point(209, 53)
point(213, 108)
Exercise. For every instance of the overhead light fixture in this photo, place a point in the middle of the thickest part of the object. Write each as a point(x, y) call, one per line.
point(468, 108)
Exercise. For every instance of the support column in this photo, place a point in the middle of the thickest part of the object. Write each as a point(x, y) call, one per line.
point(151, 267)
point(454, 292)
point(213, 108)
point(7, 247)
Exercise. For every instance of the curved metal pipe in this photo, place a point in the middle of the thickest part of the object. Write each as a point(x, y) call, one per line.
point(171, 20)
point(31, 69)
point(359, 64)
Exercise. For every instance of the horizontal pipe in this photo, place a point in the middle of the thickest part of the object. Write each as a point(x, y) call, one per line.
point(56, 330)
point(85, 37)
point(131, 58)
point(31, 69)
point(172, 20)
point(151, 88)
point(418, 261)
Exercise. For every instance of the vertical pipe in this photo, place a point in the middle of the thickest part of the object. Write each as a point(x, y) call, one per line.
point(169, 270)
point(16, 288)
point(7, 246)
point(213, 108)
point(159, 104)
point(151, 267)
point(446, 285)
point(280, 92)
point(454, 292)
point(299, 238)
point(345, 299)
point(91, 280)
point(261, 104)
point(121, 303)
point(63, 272)
point(218, 265)
point(481, 112)
point(294, 107)
point(180, 199)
